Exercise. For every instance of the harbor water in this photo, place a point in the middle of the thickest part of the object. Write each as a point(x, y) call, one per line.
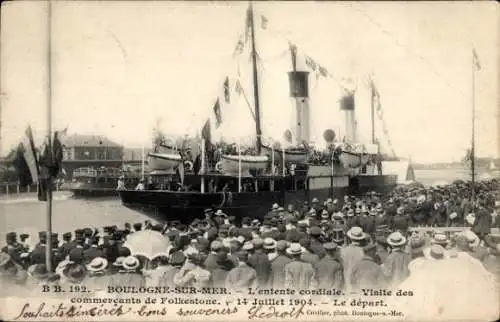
point(24, 213)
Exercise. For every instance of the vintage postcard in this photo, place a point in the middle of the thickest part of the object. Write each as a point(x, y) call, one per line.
point(235, 161)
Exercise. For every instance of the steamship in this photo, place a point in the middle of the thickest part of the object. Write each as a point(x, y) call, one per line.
point(180, 186)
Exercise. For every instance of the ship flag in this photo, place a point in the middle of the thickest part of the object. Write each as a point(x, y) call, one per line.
point(26, 161)
point(206, 132)
point(227, 96)
point(477, 64)
point(238, 88)
point(263, 22)
point(218, 114)
point(45, 173)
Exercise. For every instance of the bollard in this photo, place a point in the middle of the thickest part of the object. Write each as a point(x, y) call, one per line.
point(7, 189)
point(18, 190)
point(29, 188)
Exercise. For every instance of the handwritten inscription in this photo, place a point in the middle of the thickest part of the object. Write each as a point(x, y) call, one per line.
point(61, 311)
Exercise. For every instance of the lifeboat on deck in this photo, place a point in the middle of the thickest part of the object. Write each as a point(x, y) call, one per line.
point(351, 156)
point(295, 155)
point(165, 162)
point(229, 164)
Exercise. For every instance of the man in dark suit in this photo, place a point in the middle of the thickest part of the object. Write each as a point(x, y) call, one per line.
point(367, 273)
point(329, 271)
point(260, 262)
point(93, 251)
point(67, 245)
point(316, 246)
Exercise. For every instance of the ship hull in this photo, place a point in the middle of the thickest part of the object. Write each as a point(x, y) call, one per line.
point(96, 190)
point(185, 206)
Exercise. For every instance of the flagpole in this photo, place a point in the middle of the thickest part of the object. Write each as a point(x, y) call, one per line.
point(48, 246)
point(258, 130)
point(284, 164)
point(473, 138)
point(142, 162)
point(202, 171)
point(239, 167)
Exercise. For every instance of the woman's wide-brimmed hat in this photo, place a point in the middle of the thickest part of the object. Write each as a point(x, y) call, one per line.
point(356, 233)
point(97, 264)
point(75, 273)
point(396, 239)
point(38, 271)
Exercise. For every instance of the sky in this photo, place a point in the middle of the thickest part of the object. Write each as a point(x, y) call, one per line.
point(119, 68)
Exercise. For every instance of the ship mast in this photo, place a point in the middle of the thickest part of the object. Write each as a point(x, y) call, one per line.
point(250, 18)
point(373, 93)
point(473, 138)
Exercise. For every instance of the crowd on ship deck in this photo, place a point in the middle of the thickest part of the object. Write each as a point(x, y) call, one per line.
point(350, 244)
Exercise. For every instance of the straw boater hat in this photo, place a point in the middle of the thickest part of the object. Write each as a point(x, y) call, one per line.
point(315, 200)
point(247, 246)
point(294, 249)
point(356, 234)
point(439, 238)
point(330, 246)
point(275, 206)
point(396, 239)
point(97, 264)
point(436, 252)
point(130, 263)
point(269, 243)
point(119, 261)
point(219, 213)
point(472, 238)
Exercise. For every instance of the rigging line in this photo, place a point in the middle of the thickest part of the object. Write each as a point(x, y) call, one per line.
point(274, 31)
point(276, 57)
point(396, 41)
point(247, 101)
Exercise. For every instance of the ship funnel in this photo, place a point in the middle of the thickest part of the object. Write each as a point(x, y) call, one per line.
point(347, 105)
point(299, 92)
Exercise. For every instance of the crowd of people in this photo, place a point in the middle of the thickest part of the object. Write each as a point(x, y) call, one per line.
point(352, 243)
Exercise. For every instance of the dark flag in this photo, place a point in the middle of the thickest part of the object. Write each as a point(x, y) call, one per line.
point(206, 133)
point(45, 163)
point(227, 96)
point(26, 162)
point(218, 116)
point(57, 155)
point(197, 164)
